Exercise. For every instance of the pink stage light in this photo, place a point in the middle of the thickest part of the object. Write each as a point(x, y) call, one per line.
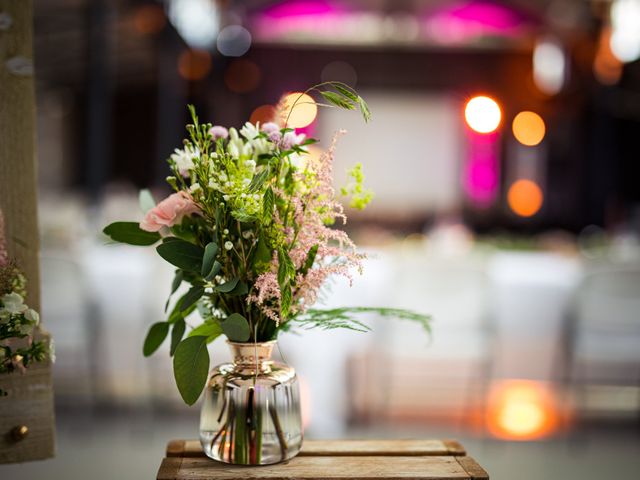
point(481, 174)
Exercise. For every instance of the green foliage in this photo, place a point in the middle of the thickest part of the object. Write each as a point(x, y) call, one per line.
point(360, 197)
point(177, 332)
point(182, 254)
point(191, 297)
point(130, 233)
point(210, 329)
point(236, 328)
point(156, 335)
point(191, 367)
point(346, 318)
point(209, 258)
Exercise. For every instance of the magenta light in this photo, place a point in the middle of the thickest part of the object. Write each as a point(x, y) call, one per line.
point(300, 8)
point(491, 15)
point(481, 173)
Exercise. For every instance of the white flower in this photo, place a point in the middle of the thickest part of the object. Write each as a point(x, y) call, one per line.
point(228, 245)
point(247, 234)
point(13, 303)
point(225, 231)
point(233, 134)
point(250, 131)
point(261, 146)
point(183, 159)
point(233, 149)
point(32, 316)
point(226, 198)
point(195, 187)
point(251, 164)
point(247, 149)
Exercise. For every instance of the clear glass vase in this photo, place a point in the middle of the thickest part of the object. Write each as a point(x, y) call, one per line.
point(251, 411)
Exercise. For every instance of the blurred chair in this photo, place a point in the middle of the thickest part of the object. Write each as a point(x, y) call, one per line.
point(410, 377)
point(66, 311)
point(601, 342)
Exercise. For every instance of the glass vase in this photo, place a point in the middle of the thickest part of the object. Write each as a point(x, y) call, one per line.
point(251, 410)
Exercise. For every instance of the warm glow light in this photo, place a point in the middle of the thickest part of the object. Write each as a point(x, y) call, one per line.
point(625, 23)
point(263, 114)
point(482, 114)
point(528, 128)
point(525, 198)
point(606, 66)
point(549, 66)
point(194, 64)
point(149, 19)
point(303, 113)
point(521, 410)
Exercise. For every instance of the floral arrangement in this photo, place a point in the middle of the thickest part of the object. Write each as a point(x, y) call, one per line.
point(17, 320)
point(250, 228)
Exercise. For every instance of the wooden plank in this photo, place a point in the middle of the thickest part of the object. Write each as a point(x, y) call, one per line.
point(30, 398)
point(319, 468)
point(475, 471)
point(192, 448)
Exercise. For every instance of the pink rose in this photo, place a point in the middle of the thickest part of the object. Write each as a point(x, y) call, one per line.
point(169, 212)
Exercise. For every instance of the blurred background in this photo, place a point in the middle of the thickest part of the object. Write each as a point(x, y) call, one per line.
point(504, 156)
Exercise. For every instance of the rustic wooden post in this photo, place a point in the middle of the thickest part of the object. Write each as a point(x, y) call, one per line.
point(26, 414)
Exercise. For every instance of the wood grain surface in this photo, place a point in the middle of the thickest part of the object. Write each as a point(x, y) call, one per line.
point(192, 448)
point(30, 398)
point(334, 459)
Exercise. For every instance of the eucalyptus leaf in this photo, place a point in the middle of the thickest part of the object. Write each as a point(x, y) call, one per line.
point(156, 335)
point(191, 367)
point(146, 200)
point(240, 289)
point(209, 257)
point(214, 271)
point(177, 332)
point(236, 328)
point(177, 281)
point(130, 233)
point(182, 254)
point(227, 286)
point(191, 297)
point(211, 330)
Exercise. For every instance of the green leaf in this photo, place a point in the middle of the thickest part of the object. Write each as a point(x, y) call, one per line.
point(364, 108)
point(182, 254)
point(286, 268)
point(177, 281)
point(285, 301)
point(146, 200)
point(240, 289)
point(176, 334)
point(191, 367)
point(191, 297)
point(236, 328)
point(258, 180)
point(243, 216)
point(208, 259)
point(268, 202)
point(345, 91)
point(227, 286)
point(130, 233)
point(211, 330)
point(308, 263)
point(214, 271)
point(262, 255)
point(156, 335)
point(338, 100)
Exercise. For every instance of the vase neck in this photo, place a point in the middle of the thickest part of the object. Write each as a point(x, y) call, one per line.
point(246, 356)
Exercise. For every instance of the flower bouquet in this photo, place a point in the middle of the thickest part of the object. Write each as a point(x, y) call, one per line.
point(251, 230)
point(17, 321)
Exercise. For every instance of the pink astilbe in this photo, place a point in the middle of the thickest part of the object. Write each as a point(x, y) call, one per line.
point(311, 211)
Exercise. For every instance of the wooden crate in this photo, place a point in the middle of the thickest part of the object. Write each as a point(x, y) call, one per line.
point(362, 459)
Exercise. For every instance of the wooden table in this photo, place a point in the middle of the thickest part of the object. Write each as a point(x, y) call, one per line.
point(319, 460)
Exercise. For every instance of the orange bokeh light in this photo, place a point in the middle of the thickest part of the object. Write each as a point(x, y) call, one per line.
point(522, 410)
point(263, 114)
point(303, 113)
point(606, 66)
point(194, 64)
point(149, 19)
point(528, 128)
point(242, 76)
point(525, 198)
point(482, 114)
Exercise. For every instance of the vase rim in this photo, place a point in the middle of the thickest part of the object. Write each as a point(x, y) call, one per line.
point(247, 344)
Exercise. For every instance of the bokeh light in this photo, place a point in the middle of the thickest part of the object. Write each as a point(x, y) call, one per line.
point(149, 19)
point(234, 41)
point(194, 64)
point(242, 76)
point(606, 66)
point(263, 114)
point(521, 410)
point(303, 113)
point(549, 66)
point(525, 198)
point(482, 114)
point(528, 128)
point(625, 35)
